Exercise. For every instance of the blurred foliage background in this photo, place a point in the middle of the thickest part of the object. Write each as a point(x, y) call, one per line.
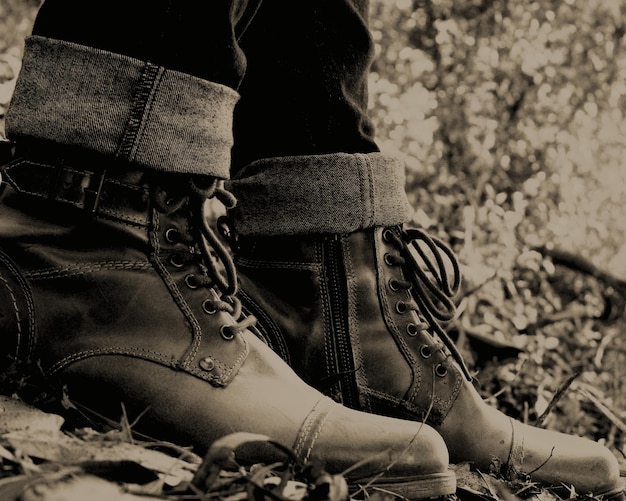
point(510, 119)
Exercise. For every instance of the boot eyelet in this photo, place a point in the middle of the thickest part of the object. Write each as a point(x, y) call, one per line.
point(393, 284)
point(190, 281)
point(170, 235)
point(412, 329)
point(389, 260)
point(387, 235)
point(401, 307)
point(176, 261)
point(227, 332)
point(440, 370)
point(426, 352)
point(207, 364)
point(208, 307)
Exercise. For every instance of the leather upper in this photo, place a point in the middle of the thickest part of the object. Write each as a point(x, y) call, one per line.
point(118, 271)
point(328, 305)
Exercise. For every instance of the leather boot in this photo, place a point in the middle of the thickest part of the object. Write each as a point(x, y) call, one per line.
point(358, 316)
point(114, 290)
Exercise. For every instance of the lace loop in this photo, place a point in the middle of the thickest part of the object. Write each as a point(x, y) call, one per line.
point(192, 192)
point(207, 239)
point(432, 286)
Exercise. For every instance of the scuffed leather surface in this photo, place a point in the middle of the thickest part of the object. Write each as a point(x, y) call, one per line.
point(107, 288)
point(285, 283)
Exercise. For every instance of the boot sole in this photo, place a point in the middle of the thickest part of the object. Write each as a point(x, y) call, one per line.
point(434, 485)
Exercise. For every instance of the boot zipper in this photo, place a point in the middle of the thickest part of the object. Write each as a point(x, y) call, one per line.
point(338, 320)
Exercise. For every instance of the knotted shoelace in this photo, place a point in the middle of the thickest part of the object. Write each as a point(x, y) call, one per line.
point(216, 258)
point(431, 285)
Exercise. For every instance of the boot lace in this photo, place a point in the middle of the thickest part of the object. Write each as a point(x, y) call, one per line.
point(206, 248)
point(432, 286)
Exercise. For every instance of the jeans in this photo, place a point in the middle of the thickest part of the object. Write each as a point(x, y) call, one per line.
point(214, 87)
point(300, 66)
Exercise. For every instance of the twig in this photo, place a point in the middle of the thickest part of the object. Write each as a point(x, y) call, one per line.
point(555, 400)
point(542, 464)
point(493, 493)
point(606, 340)
point(608, 413)
point(583, 265)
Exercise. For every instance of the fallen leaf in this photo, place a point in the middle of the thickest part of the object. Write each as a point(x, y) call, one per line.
point(16, 416)
point(69, 450)
point(78, 489)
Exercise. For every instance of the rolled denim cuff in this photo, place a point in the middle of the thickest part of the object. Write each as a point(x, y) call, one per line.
point(116, 105)
point(334, 193)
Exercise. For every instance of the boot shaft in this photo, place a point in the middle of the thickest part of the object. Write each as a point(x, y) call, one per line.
point(110, 262)
point(339, 309)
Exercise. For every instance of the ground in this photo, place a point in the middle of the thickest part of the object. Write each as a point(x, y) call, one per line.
point(510, 121)
point(43, 463)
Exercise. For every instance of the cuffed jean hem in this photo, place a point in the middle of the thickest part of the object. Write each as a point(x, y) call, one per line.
point(333, 193)
point(114, 105)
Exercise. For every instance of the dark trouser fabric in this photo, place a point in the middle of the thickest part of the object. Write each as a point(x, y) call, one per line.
point(305, 90)
point(191, 36)
point(300, 66)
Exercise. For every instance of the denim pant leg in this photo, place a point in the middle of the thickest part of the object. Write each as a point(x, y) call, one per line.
point(150, 83)
point(197, 37)
point(305, 159)
point(305, 88)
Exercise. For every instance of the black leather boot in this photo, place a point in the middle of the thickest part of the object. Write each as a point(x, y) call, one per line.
point(358, 316)
point(113, 290)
